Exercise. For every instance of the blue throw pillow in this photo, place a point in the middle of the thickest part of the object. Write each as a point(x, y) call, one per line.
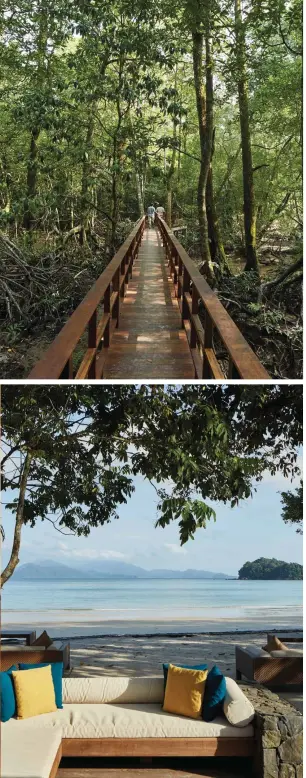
point(57, 675)
point(215, 690)
point(8, 701)
point(186, 667)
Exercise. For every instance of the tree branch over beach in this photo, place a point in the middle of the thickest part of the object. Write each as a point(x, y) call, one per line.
point(70, 454)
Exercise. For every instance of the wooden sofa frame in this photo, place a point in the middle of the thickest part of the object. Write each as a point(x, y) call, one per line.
point(56, 762)
point(150, 747)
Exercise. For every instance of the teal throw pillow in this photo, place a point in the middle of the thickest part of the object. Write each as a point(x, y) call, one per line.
point(8, 701)
point(57, 677)
point(214, 695)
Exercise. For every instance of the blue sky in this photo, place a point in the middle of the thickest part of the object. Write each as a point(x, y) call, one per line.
point(251, 530)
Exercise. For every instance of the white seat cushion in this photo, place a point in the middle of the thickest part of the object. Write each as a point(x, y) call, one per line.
point(288, 653)
point(25, 753)
point(81, 720)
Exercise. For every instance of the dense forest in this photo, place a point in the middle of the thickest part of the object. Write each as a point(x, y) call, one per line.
point(109, 106)
point(270, 569)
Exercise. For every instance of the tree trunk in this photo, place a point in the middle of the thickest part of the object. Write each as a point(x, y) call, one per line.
point(118, 146)
point(169, 179)
point(114, 195)
point(137, 168)
point(28, 218)
point(40, 78)
point(217, 252)
point(140, 194)
point(249, 205)
point(14, 558)
point(205, 119)
point(86, 172)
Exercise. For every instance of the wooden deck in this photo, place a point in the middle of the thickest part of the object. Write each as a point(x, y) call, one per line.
point(150, 341)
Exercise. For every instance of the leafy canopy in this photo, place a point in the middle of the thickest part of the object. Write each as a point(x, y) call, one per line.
point(196, 444)
point(292, 512)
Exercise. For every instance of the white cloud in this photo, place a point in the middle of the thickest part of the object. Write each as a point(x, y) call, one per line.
point(175, 549)
point(90, 553)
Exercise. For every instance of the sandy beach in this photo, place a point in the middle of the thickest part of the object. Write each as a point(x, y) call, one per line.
point(144, 655)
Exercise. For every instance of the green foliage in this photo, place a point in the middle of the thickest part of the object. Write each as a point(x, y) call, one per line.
point(208, 444)
point(114, 61)
point(98, 118)
point(270, 570)
point(292, 512)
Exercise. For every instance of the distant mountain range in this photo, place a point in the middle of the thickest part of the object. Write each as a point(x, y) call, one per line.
point(103, 569)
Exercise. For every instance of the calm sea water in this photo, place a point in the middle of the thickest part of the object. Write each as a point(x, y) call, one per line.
point(138, 606)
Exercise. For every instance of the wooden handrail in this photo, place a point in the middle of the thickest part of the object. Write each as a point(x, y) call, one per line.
point(190, 289)
point(57, 362)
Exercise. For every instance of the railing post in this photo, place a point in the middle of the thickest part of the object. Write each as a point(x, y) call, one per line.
point(116, 307)
point(122, 273)
point(186, 285)
point(175, 265)
point(107, 310)
point(208, 341)
point(194, 310)
point(232, 370)
point(179, 285)
point(92, 342)
point(130, 259)
point(67, 371)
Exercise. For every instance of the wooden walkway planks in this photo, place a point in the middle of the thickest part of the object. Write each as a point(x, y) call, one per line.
point(149, 342)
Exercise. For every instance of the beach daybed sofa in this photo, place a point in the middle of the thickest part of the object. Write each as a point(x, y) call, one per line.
point(275, 669)
point(57, 651)
point(120, 716)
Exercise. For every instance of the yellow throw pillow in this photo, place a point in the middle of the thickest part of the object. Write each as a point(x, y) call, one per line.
point(34, 691)
point(185, 691)
point(275, 644)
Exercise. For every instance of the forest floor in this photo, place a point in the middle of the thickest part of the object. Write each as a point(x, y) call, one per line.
point(272, 325)
point(42, 285)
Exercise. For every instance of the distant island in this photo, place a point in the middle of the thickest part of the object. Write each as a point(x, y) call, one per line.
point(270, 569)
point(47, 569)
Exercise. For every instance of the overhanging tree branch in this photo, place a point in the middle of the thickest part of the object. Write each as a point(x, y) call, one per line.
point(14, 558)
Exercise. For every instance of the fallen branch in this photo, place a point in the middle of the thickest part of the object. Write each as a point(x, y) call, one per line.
point(264, 288)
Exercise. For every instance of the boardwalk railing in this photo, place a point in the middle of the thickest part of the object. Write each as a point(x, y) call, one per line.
point(67, 348)
point(217, 347)
point(191, 290)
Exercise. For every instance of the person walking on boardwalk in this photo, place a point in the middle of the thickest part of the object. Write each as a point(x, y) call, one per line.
point(161, 211)
point(151, 215)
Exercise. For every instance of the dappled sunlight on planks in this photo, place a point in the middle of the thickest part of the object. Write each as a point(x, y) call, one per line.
point(150, 341)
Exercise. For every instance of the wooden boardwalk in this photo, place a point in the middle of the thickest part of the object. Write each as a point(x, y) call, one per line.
point(150, 315)
point(150, 341)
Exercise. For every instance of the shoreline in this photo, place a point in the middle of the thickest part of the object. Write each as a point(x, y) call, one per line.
point(167, 629)
point(178, 635)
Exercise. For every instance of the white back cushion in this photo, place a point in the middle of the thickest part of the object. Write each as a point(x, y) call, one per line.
point(113, 689)
point(237, 708)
